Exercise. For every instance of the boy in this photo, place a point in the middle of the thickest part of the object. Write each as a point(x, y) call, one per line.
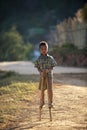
point(45, 64)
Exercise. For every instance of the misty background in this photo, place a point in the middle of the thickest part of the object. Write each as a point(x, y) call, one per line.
point(24, 23)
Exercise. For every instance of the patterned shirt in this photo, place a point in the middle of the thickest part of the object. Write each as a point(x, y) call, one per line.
point(45, 62)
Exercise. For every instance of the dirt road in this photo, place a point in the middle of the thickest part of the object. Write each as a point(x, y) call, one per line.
point(70, 102)
point(70, 107)
point(24, 67)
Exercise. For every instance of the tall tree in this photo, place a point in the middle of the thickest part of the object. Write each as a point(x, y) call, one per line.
point(12, 46)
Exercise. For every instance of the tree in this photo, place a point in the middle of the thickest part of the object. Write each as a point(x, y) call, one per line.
point(12, 47)
point(84, 13)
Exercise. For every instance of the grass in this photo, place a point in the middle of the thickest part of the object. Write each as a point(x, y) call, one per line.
point(15, 90)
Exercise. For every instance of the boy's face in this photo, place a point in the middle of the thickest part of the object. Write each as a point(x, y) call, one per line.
point(43, 50)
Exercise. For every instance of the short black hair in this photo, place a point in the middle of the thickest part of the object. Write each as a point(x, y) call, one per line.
point(43, 43)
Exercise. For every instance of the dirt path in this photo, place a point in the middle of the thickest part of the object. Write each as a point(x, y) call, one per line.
point(69, 112)
point(70, 107)
point(26, 67)
point(70, 101)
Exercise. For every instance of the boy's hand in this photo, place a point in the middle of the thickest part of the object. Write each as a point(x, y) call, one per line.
point(44, 73)
point(47, 71)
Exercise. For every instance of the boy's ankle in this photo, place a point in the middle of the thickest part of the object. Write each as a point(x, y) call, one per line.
point(42, 104)
point(50, 105)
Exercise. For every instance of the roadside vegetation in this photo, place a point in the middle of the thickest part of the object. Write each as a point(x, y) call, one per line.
point(69, 55)
point(15, 91)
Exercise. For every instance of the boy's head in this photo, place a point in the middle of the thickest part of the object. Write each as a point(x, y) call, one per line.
point(43, 47)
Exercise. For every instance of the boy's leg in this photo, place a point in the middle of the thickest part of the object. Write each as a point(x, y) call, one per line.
point(42, 98)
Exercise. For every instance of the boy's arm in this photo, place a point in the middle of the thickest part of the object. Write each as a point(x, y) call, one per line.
point(53, 62)
point(39, 69)
point(37, 66)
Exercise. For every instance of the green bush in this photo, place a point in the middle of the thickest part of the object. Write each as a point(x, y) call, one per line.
point(66, 48)
point(69, 46)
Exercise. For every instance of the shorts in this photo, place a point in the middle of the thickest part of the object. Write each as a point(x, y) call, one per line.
point(45, 83)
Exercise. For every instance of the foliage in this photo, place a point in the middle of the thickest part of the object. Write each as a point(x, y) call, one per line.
point(4, 74)
point(12, 46)
point(29, 51)
point(84, 50)
point(10, 77)
point(68, 45)
point(68, 48)
point(84, 13)
point(65, 48)
point(69, 55)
